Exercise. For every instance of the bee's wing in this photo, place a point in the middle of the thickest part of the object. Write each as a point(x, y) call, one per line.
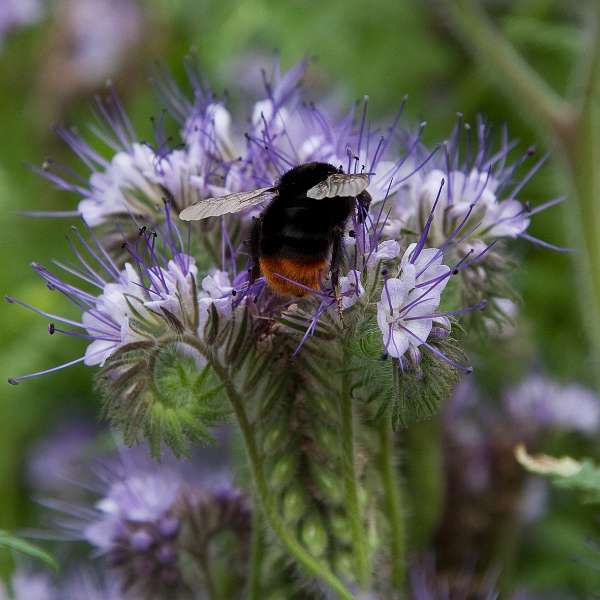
point(232, 203)
point(340, 184)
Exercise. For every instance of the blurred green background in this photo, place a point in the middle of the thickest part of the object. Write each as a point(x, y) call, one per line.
point(382, 48)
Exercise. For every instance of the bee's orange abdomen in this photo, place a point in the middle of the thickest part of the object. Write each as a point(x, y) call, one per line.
point(307, 273)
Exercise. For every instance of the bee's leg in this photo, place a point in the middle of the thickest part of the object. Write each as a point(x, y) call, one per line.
point(336, 259)
point(255, 234)
point(363, 203)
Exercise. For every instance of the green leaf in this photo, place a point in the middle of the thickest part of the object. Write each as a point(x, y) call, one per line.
point(11, 542)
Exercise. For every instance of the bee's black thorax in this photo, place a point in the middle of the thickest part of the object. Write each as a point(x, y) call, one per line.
point(297, 227)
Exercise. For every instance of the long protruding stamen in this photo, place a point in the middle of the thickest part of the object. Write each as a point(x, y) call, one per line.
point(544, 244)
point(17, 380)
point(421, 243)
point(450, 313)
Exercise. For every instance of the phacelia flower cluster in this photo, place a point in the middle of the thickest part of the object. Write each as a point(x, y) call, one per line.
point(150, 521)
point(152, 290)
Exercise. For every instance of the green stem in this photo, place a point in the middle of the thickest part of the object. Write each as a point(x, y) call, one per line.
point(393, 505)
point(208, 579)
point(573, 126)
point(500, 59)
point(256, 559)
point(359, 537)
point(580, 144)
point(313, 566)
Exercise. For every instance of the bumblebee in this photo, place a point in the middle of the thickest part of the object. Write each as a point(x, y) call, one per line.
point(299, 234)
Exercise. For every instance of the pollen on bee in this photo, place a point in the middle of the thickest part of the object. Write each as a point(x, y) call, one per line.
point(306, 273)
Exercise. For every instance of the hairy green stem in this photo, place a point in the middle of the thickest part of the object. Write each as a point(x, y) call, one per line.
point(393, 505)
point(359, 537)
point(316, 568)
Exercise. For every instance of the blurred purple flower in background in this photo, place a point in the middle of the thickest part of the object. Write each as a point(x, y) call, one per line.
point(149, 519)
point(137, 527)
point(86, 585)
point(58, 458)
point(15, 14)
point(486, 488)
point(26, 585)
point(100, 34)
point(538, 403)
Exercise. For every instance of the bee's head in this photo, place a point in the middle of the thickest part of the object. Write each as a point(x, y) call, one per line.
point(297, 181)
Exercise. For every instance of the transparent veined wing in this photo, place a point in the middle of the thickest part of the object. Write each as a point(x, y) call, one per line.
point(340, 184)
point(232, 203)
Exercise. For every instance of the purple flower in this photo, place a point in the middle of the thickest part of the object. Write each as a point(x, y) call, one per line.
point(538, 403)
point(351, 288)
point(135, 523)
point(150, 519)
point(408, 305)
point(482, 191)
point(19, 13)
point(56, 458)
point(138, 177)
point(29, 586)
point(100, 33)
point(153, 293)
point(84, 584)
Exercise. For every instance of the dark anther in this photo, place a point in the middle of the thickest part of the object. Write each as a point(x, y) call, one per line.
point(528, 206)
point(51, 328)
point(352, 233)
point(233, 293)
point(384, 356)
point(142, 230)
point(153, 233)
point(384, 272)
point(530, 151)
point(124, 245)
point(455, 272)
